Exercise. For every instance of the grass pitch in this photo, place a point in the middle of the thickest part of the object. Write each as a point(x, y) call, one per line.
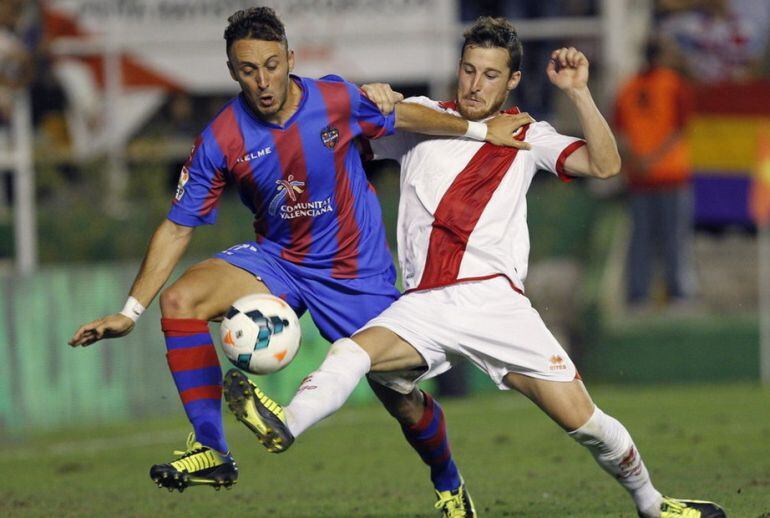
point(704, 441)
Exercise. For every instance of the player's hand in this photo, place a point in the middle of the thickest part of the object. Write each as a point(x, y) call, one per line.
point(111, 326)
point(568, 69)
point(503, 129)
point(383, 96)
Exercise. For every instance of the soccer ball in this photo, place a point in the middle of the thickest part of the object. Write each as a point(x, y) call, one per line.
point(260, 334)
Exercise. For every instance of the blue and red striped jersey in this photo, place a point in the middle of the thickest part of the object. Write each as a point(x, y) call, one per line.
point(303, 182)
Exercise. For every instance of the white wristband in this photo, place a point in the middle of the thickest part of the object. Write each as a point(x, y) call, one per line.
point(476, 131)
point(133, 309)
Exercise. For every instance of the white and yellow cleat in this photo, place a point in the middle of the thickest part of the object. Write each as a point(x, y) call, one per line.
point(257, 411)
point(198, 465)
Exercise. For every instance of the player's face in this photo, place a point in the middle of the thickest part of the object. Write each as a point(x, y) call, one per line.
point(262, 70)
point(484, 81)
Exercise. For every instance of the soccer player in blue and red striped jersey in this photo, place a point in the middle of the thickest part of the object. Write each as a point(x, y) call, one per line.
point(287, 143)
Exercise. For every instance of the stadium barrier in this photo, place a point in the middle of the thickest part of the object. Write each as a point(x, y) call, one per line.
point(45, 384)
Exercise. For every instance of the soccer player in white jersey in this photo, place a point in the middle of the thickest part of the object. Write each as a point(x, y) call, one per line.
point(463, 245)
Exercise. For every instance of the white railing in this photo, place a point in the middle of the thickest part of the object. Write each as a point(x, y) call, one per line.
point(16, 156)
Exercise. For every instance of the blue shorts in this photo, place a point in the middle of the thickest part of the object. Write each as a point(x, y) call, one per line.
point(339, 307)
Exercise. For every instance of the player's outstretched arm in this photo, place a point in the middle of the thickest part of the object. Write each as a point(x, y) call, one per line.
point(166, 248)
point(416, 118)
point(568, 70)
point(498, 131)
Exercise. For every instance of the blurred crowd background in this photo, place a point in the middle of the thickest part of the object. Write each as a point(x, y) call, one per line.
point(659, 269)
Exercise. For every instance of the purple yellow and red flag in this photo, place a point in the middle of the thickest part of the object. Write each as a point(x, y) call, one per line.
point(729, 138)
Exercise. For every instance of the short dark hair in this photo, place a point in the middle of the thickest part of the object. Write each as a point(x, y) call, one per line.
point(491, 32)
point(255, 23)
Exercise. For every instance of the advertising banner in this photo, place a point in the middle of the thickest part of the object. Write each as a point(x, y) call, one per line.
point(181, 41)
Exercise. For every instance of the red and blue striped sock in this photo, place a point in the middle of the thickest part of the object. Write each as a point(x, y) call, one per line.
point(428, 437)
point(194, 365)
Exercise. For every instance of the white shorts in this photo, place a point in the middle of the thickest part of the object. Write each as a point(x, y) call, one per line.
point(486, 322)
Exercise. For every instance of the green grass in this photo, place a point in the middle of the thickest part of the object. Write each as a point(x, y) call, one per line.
point(704, 441)
point(677, 348)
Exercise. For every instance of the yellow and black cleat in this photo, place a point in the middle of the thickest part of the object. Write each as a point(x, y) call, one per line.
point(456, 503)
point(198, 465)
point(257, 411)
point(678, 508)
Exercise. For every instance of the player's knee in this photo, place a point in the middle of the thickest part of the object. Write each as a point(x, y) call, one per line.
point(175, 302)
point(581, 413)
point(407, 409)
point(410, 408)
point(347, 346)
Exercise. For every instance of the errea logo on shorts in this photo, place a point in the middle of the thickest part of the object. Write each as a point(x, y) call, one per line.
point(557, 363)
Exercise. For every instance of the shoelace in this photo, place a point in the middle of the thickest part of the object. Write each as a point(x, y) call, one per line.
point(192, 446)
point(451, 504)
point(680, 509)
point(196, 457)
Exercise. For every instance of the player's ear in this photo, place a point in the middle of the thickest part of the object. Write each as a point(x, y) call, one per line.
point(513, 81)
point(291, 60)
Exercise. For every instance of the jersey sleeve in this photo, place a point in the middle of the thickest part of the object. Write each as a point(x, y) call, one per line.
point(371, 121)
point(201, 182)
point(398, 144)
point(551, 149)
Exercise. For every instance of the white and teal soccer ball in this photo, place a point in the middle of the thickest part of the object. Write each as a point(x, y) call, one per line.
point(260, 334)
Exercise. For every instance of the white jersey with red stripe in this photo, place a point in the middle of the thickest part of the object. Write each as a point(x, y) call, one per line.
point(463, 210)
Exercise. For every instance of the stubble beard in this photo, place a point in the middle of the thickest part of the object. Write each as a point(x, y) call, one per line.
point(477, 115)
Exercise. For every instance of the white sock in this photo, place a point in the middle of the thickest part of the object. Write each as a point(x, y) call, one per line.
point(612, 447)
point(324, 391)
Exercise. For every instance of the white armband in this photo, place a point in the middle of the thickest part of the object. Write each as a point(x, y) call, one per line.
point(476, 131)
point(133, 309)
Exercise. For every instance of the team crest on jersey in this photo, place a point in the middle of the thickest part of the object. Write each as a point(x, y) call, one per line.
point(184, 176)
point(330, 136)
